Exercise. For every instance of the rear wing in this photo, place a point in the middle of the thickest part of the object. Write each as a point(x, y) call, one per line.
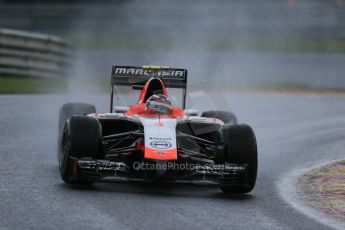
point(132, 75)
point(137, 76)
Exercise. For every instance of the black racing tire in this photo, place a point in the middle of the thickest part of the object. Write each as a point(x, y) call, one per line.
point(68, 110)
point(81, 138)
point(241, 148)
point(225, 116)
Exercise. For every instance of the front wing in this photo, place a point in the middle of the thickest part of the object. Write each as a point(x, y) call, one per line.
point(229, 175)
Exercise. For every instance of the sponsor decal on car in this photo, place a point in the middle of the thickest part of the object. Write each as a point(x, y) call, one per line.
point(135, 71)
point(160, 144)
point(160, 141)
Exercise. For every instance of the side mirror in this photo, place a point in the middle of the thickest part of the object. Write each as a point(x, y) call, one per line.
point(137, 87)
point(121, 109)
point(191, 112)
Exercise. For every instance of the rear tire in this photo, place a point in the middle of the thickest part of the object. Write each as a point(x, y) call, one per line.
point(81, 138)
point(225, 116)
point(241, 148)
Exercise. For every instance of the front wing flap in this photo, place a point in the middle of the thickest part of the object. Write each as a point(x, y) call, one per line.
point(206, 175)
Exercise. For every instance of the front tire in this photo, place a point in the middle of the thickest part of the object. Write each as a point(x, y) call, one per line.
point(68, 110)
point(241, 148)
point(81, 138)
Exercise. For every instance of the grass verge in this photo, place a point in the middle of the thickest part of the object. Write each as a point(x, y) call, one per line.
point(325, 45)
point(26, 85)
point(22, 85)
point(265, 87)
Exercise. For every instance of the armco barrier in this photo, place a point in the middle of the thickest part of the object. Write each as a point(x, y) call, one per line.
point(33, 55)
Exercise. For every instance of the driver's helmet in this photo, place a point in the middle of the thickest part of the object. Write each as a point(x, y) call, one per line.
point(159, 104)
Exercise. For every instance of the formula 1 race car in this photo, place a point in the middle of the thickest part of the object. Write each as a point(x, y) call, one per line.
point(154, 141)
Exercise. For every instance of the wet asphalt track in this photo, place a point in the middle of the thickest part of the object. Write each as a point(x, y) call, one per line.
point(292, 131)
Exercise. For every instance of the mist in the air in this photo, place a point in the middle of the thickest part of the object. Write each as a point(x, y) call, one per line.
point(228, 43)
